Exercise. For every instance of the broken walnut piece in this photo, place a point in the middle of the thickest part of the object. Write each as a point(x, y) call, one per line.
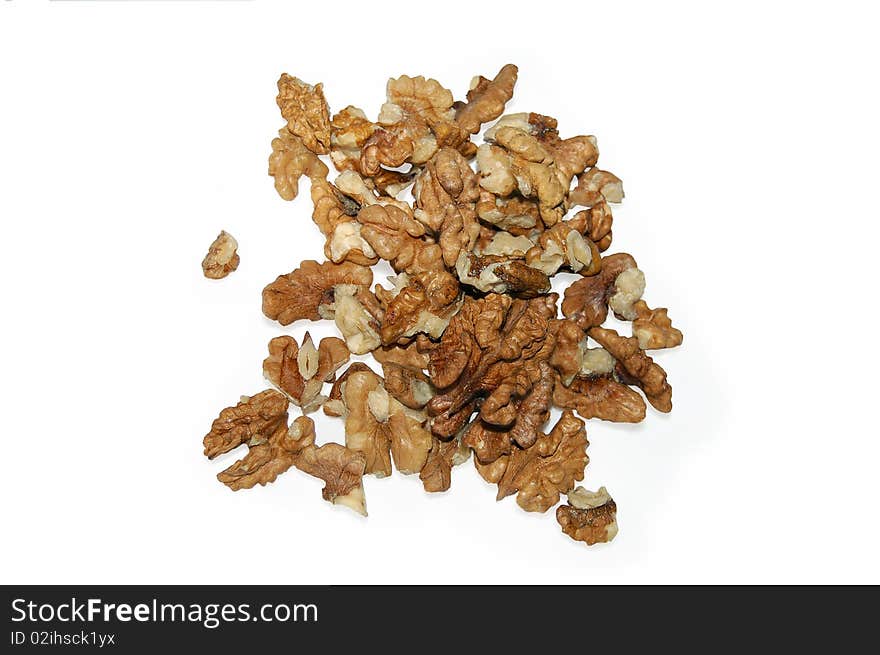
point(486, 99)
point(357, 314)
point(300, 372)
point(266, 459)
point(253, 419)
point(300, 293)
point(436, 474)
point(649, 376)
point(586, 300)
point(551, 466)
point(600, 397)
point(380, 427)
point(653, 328)
point(501, 274)
point(589, 516)
point(596, 186)
point(419, 303)
point(565, 245)
point(409, 386)
point(222, 257)
point(394, 235)
point(305, 109)
point(340, 468)
point(289, 161)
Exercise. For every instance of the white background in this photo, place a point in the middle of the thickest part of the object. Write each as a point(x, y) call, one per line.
point(132, 132)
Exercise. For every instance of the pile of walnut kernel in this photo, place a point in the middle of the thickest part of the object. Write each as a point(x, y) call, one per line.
point(472, 347)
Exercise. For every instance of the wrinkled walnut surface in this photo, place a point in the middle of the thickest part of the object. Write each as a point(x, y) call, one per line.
point(475, 350)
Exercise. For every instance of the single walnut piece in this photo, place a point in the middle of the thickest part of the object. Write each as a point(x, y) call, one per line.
point(222, 257)
point(411, 387)
point(653, 328)
point(565, 245)
point(255, 418)
point(600, 397)
point(589, 516)
point(300, 372)
point(596, 186)
point(586, 301)
point(551, 466)
point(301, 292)
point(486, 99)
point(436, 474)
point(304, 108)
point(289, 161)
point(633, 361)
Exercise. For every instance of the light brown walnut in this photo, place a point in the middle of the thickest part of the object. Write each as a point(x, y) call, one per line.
point(222, 257)
point(300, 293)
point(538, 475)
point(596, 186)
point(486, 99)
point(635, 363)
point(289, 161)
point(304, 108)
point(253, 419)
point(653, 328)
point(436, 474)
point(395, 236)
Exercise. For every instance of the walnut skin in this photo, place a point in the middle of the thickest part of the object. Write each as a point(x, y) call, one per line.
point(222, 257)
point(589, 517)
point(298, 294)
point(255, 418)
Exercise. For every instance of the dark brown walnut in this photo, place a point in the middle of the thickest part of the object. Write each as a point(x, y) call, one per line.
point(422, 302)
point(653, 328)
point(589, 517)
point(255, 418)
point(298, 294)
point(586, 300)
point(550, 467)
point(222, 257)
point(486, 99)
point(490, 340)
point(600, 397)
point(304, 108)
point(635, 363)
point(521, 402)
point(282, 369)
